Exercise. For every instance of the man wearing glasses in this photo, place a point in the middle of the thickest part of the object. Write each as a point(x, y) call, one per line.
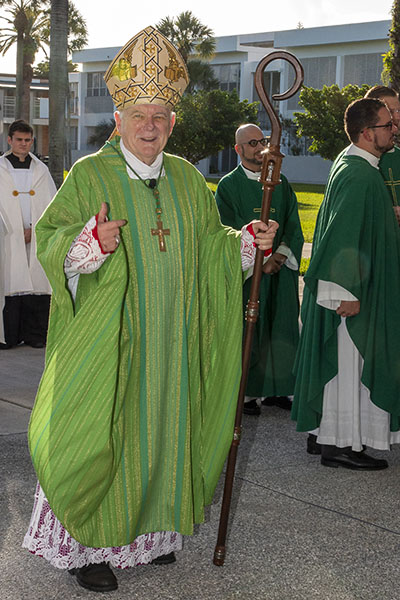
point(389, 164)
point(348, 378)
point(239, 198)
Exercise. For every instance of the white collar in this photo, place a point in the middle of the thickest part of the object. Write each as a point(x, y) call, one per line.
point(144, 171)
point(354, 150)
point(251, 174)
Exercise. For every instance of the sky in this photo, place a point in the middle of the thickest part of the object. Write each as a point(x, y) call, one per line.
point(114, 22)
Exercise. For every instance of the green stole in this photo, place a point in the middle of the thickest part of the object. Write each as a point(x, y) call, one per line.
point(389, 166)
point(134, 413)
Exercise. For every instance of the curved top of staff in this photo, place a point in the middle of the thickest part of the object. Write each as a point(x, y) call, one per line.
point(276, 127)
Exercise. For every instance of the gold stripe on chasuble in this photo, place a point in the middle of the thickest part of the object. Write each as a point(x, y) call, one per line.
point(162, 331)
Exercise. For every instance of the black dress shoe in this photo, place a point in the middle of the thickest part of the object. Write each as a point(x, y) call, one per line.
point(35, 344)
point(96, 577)
point(354, 460)
point(312, 445)
point(5, 346)
point(251, 408)
point(164, 559)
point(279, 401)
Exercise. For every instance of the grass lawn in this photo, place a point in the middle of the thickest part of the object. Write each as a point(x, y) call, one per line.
point(309, 198)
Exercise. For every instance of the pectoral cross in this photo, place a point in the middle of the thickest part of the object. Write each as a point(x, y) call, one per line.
point(160, 232)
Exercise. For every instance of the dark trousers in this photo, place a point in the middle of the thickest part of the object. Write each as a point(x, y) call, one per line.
point(25, 319)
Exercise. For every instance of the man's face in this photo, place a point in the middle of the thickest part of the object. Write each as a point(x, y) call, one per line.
point(250, 156)
point(393, 104)
point(383, 132)
point(145, 129)
point(21, 144)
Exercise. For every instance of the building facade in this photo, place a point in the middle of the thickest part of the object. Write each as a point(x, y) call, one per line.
point(39, 108)
point(338, 54)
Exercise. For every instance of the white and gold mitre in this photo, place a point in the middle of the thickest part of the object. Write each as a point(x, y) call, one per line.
point(148, 70)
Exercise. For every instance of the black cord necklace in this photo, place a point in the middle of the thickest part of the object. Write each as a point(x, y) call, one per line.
point(153, 186)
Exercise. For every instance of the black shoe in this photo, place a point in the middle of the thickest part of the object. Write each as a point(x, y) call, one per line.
point(35, 344)
point(354, 460)
point(96, 577)
point(312, 445)
point(279, 401)
point(5, 346)
point(164, 559)
point(251, 408)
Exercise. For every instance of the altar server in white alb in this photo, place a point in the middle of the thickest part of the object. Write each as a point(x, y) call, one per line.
point(26, 190)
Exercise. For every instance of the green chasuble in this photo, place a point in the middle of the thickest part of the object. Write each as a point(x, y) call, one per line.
point(357, 246)
point(134, 414)
point(389, 166)
point(276, 333)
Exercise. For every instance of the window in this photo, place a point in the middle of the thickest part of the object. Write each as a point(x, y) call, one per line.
point(318, 71)
point(228, 76)
point(9, 104)
point(363, 68)
point(271, 84)
point(96, 86)
point(73, 99)
point(73, 138)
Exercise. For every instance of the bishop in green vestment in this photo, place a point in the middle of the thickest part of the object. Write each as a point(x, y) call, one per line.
point(134, 414)
point(347, 367)
point(239, 197)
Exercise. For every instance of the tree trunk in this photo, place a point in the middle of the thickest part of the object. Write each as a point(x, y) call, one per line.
point(20, 23)
point(27, 76)
point(58, 82)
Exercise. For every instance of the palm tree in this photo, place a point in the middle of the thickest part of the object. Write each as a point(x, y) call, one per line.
point(101, 133)
point(58, 82)
point(196, 43)
point(24, 22)
point(201, 76)
point(28, 26)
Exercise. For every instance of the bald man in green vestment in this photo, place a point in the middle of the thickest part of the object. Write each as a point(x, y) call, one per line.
point(239, 198)
point(347, 392)
point(134, 415)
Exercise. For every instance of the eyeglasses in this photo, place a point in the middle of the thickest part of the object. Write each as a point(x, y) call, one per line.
point(253, 143)
point(388, 126)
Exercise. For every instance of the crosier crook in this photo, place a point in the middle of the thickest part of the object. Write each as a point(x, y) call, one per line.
point(270, 173)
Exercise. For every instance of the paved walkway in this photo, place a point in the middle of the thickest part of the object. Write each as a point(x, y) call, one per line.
point(299, 531)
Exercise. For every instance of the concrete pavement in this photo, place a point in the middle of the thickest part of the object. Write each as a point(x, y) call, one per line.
point(299, 531)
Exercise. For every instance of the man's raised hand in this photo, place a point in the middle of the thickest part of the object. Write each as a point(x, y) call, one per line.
point(108, 231)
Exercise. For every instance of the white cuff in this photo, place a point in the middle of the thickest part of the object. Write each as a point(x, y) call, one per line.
point(85, 254)
point(330, 295)
point(247, 249)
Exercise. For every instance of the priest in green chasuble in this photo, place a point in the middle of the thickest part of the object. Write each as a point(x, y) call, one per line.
point(134, 414)
point(239, 198)
point(347, 392)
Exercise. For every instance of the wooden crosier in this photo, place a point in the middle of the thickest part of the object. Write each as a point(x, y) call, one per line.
point(270, 174)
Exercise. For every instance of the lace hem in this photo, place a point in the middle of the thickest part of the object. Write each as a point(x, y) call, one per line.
point(46, 537)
